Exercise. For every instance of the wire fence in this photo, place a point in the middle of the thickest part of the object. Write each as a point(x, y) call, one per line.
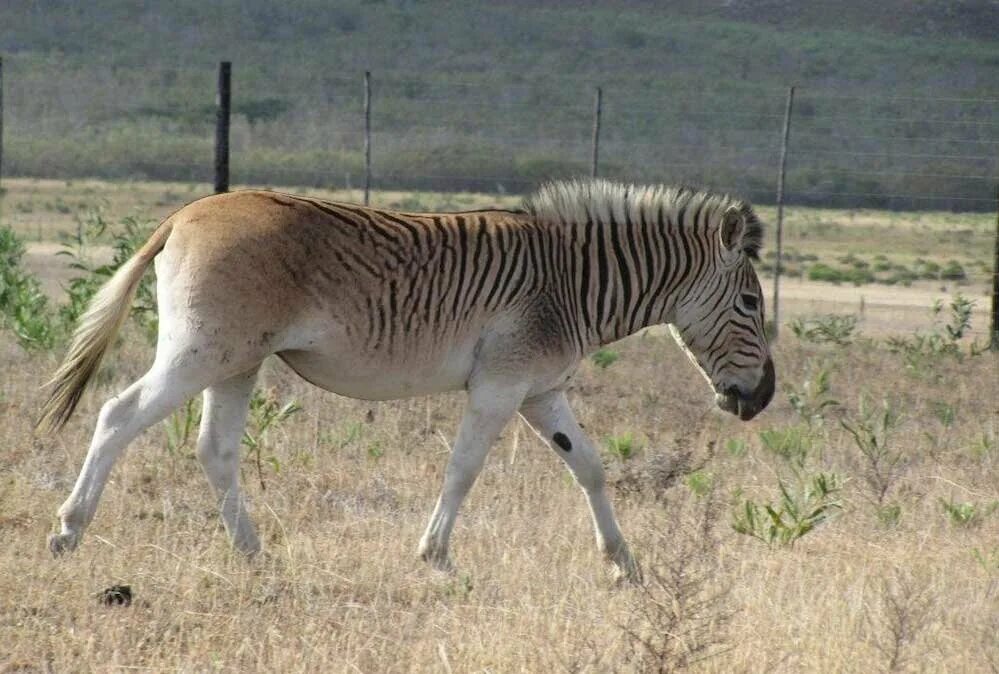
point(500, 135)
point(882, 150)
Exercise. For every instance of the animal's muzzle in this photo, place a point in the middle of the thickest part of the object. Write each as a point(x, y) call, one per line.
point(748, 406)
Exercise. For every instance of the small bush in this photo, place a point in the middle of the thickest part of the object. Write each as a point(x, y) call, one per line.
point(24, 308)
point(953, 272)
point(859, 276)
point(823, 272)
point(622, 447)
point(604, 358)
point(835, 329)
point(792, 444)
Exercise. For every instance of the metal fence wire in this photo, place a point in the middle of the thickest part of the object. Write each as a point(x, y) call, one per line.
point(492, 135)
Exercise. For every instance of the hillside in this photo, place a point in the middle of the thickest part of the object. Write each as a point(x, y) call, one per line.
point(495, 96)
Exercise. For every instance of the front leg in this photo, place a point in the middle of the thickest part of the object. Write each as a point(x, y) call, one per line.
point(490, 406)
point(552, 419)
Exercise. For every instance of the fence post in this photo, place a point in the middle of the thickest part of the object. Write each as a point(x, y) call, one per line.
point(1, 126)
point(994, 339)
point(222, 106)
point(780, 211)
point(597, 105)
point(367, 136)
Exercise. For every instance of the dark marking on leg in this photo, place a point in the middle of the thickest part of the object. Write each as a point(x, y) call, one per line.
point(562, 440)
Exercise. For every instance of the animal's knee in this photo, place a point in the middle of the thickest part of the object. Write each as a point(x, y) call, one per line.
point(116, 411)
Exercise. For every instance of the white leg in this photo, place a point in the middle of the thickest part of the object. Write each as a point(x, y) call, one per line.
point(121, 419)
point(490, 407)
point(550, 416)
point(222, 423)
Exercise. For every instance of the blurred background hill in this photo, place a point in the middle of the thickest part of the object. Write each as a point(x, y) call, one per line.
point(896, 105)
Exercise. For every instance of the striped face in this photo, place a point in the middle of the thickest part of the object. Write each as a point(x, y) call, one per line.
point(720, 324)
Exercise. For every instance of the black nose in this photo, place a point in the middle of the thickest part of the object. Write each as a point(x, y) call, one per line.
point(747, 405)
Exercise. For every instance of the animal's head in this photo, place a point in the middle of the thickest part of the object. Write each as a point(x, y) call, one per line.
point(719, 320)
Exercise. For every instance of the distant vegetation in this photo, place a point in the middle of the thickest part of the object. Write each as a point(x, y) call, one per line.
point(497, 96)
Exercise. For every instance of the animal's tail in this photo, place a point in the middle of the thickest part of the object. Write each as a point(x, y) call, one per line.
point(96, 332)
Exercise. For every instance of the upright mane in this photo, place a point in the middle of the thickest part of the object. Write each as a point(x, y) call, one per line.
point(577, 201)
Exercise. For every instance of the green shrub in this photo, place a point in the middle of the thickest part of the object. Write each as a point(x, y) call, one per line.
point(605, 357)
point(622, 447)
point(126, 240)
point(827, 329)
point(953, 271)
point(859, 276)
point(823, 272)
point(24, 308)
point(792, 444)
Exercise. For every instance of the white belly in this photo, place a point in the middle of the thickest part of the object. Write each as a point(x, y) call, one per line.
point(371, 378)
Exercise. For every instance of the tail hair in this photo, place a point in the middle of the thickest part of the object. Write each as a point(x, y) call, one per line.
point(95, 334)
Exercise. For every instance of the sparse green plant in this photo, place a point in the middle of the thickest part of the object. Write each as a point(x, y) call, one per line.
point(922, 351)
point(375, 450)
point(796, 513)
point(835, 329)
point(985, 446)
point(126, 240)
point(623, 446)
point(966, 513)
point(812, 400)
point(736, 447)
point(605, 357)
point(459, 586)
point(180, 425)
point(266, 413)
point(944, 412)
point(871, 430)
point(349, 435)
point(987, 559)
point(792, 444)
point(889, 515)
point(961, 309)
point(700, 482)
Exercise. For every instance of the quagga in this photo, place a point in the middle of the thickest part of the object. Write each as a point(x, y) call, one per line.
point(379, 304)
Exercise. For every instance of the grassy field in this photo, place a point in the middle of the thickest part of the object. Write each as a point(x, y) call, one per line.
point(902, 574)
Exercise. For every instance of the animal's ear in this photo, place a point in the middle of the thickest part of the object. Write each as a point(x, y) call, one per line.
point(733, 226)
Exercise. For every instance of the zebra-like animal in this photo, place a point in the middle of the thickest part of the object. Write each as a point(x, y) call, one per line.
point(378, 304)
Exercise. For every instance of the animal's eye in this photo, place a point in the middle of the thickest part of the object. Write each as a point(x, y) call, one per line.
point(751, 301)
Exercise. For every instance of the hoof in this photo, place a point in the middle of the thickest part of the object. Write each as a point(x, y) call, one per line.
point(437, 561)
point(247, 548)
point(626, 569)
point(60, 544)
point(627, 575)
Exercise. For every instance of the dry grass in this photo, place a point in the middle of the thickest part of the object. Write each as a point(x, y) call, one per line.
point(340, 588)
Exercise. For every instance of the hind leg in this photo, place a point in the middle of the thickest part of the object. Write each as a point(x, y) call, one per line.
point(552, 419)
point(222, 424)
point(144, 403)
